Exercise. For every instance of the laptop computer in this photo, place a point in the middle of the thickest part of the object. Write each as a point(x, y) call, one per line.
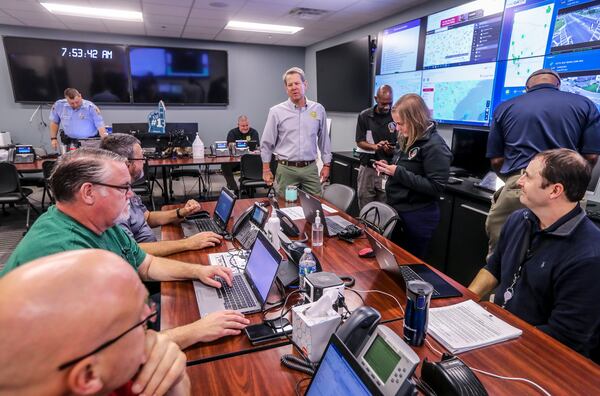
point(332, 225)
point(250, 288)
point(251, 226)
point(216, 224)
point(387, 262)
point(339, 372)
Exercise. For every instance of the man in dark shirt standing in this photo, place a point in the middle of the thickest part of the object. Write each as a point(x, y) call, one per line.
point(376, 138)
point(242, 132)
point(543, 118)
point(546, 266)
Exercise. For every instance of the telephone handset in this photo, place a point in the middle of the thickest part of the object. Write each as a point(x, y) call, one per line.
point(288, 226)
point(451, 377)
point(358, 327)
point(242, 219)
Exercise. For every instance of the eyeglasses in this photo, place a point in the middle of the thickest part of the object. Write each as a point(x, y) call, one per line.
point(125, 187)
point(149, 318)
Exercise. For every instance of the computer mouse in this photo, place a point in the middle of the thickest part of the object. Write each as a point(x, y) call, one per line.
point(366, 253)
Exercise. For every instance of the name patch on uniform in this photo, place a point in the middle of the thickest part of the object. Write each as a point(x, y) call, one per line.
point(413, 152)
point(313, 114)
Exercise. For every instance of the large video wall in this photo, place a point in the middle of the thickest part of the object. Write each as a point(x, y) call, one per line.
point(466, 60)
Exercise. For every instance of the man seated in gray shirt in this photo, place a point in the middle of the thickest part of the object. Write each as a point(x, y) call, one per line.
point(141, 220)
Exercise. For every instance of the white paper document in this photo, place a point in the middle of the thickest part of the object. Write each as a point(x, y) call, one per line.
point(236, 260)
point(295, 212)
point(467, 325)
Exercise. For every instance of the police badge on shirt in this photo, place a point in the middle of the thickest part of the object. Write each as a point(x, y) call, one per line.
point(412, 153)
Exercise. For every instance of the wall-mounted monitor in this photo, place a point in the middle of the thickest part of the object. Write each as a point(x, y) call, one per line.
point(460, 95)
point(344, 76)
point(579, 72)
point(400, 48)
point(465, 34)
point(576, 26)
point(401, 83)
point(41, 69)
point(179, 75)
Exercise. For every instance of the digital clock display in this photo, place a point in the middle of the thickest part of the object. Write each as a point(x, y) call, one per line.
point(41, 69)
point(92, 53)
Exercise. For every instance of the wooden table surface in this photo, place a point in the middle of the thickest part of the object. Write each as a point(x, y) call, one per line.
point(233, 366)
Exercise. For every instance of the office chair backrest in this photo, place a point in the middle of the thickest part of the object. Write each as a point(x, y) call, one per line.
point(340, 195)
point(251, 167)
point(380, 215)
point(9, 178)
point(47, 168)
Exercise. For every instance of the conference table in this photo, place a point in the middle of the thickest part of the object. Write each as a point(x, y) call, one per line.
point(165, 163)
point(232, 365)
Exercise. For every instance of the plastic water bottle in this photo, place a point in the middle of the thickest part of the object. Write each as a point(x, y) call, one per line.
point(272, 230)
point(307, 265)
point(317, 231)
point(198, 147)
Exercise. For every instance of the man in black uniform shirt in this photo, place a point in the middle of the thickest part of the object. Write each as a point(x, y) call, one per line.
point(242, 132)
point(376, 134)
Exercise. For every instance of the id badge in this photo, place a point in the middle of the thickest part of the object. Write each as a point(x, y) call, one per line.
point(383, 182)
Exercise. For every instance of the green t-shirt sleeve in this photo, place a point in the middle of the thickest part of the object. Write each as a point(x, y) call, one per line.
point(131, 251)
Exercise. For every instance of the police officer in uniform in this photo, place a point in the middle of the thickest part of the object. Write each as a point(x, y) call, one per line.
point(80, 118)
point(375, 133)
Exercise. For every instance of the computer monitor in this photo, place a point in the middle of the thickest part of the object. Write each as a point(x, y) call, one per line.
point(468, 149)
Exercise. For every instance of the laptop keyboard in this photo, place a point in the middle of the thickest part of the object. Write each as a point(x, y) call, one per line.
point(409, 275)
point(237, 296)
point(207, 225)
point(247, 236)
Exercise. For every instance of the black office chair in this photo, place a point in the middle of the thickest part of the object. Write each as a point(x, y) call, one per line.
point(47, 168)
point(251, 174)
point(380, 217)
point(177, 173)
point(340, 195)
point(11, 191)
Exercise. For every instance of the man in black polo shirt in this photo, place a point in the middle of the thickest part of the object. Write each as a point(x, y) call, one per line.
point(376, 138)
point(242, 132)
point(543, 118)
point(546, 266)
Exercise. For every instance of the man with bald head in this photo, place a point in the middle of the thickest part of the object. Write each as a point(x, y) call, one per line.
point(543, 118)
point(376, 137)
point(243, 132)
point(75, 323)
point(92, 188)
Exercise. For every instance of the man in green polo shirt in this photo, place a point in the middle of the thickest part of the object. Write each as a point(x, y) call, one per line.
point(92, 188)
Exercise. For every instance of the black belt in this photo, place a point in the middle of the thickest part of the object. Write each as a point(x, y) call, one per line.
point(297, 164)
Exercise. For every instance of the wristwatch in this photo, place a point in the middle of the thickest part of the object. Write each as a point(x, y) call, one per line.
point(179, 216)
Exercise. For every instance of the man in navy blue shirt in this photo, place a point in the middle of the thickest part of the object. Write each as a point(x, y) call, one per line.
point(543, 118)
point(546, 266)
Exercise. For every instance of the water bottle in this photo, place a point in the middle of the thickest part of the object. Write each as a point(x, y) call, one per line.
point(198, 147)
point(317, 231)
point(307, 265)
point(418, 295)
point(272, 230)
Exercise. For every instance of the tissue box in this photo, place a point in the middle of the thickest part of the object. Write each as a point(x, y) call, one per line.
point(312, 334)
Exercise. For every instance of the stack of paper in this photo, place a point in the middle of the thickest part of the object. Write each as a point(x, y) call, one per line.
point(467, 325)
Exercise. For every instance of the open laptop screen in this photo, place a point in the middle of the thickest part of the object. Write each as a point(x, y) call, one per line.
point(337, 374)
point(262, 266)
point(224, 207)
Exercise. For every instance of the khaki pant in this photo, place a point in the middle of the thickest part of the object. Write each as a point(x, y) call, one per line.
point(369, 186)
point(504, 202)
point(306, 178)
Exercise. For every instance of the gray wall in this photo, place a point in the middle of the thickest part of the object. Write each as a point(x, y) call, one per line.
point(343, 125)
point(254, 86)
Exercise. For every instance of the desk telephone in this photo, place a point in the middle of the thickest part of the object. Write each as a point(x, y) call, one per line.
point(389, 362)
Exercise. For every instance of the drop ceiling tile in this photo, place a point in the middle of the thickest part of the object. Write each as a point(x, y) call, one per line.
point(202, 30)
point(159, 9)
point(232, 35)
point(8, 20)
point(214, 13)
point(198, 36)
point(117, 4)
point(232, 5)
point(69, 21)
point(206, 22)
point(263, 12)
point(182, 3)
point(329, 5)
point(25, 5)
point(164, 19)
point(125, 27)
